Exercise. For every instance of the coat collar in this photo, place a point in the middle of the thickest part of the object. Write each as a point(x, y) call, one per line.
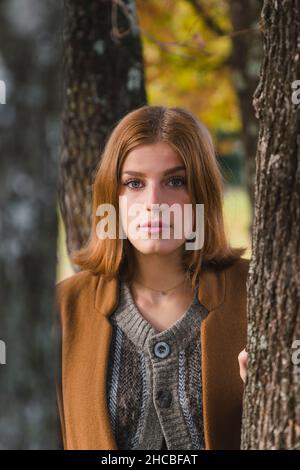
point(211, 291)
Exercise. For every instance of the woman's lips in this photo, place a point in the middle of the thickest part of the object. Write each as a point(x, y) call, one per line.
point(154, 227)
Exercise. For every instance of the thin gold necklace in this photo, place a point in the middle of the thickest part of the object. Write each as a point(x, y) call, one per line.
point(163, 292)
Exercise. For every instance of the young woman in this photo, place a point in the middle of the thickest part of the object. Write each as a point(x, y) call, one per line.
point(152, 328)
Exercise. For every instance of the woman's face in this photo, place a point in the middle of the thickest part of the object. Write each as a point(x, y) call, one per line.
point(152, 175)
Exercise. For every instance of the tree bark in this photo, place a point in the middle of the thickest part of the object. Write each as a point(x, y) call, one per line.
point(104, 80)
point(271, 415)
point(29, 126)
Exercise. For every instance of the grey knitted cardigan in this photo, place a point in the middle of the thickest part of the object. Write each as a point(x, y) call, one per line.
point(154, 386)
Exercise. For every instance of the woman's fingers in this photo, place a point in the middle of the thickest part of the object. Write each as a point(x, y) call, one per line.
point(243, 362)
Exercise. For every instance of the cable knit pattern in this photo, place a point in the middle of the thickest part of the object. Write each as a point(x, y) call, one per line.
point(154, 390)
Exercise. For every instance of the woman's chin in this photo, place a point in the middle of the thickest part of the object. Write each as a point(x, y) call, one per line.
point(149, 246)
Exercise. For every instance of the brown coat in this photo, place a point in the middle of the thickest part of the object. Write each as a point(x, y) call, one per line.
point(85, 302)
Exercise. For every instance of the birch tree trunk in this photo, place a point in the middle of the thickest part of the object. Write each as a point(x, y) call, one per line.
point(271, 416)
point(104, 79)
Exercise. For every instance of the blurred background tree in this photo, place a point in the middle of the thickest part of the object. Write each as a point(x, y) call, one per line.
point(103, 81)
point(30, 65)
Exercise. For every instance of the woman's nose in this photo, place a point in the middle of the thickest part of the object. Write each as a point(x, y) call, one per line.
point(153, 197)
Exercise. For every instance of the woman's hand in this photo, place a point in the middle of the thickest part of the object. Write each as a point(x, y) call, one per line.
point(243, 362)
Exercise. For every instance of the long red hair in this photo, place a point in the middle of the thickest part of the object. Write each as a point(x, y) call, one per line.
point(191, 139)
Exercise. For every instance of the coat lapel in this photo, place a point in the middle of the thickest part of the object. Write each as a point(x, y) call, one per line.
point(106, 300)
point(211, 294)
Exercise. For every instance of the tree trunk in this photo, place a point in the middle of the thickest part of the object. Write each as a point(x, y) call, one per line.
point(29, 66)
point(271, 416)
point(104, 80)
point(245, 62)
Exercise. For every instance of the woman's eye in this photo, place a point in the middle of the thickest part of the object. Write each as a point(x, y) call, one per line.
point(127, 183)
point(179, 180)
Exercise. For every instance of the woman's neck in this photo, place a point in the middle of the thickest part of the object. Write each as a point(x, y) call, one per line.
point(158, 272)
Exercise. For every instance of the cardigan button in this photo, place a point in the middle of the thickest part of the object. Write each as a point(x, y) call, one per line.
point(164, 398)
point(161, 349)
